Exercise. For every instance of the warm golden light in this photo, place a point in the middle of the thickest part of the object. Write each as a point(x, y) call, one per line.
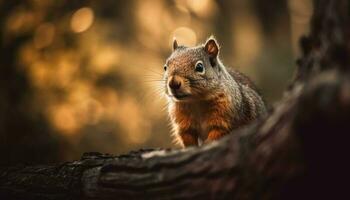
point(20, 21)
point(105, 59)
point(247, 40)
point(300, 14)
point(64, 119)
point(149, 16)
point(95, 69)
point(44, 35)
point(185, 36)
point(82, 19)
point(129, 112)
point(204, 8)
point(181, 5)
point(39, 74)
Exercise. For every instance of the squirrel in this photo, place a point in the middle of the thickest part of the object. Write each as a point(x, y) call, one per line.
point(206, 100)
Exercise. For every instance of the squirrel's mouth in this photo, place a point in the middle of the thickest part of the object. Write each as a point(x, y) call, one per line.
point(179, 97)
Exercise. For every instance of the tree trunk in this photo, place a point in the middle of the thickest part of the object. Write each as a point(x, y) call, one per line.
point(297, 152)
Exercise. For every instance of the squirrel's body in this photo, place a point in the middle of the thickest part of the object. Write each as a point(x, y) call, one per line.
point(206, 100)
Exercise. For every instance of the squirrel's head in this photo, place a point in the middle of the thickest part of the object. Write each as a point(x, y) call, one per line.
point(191, 73)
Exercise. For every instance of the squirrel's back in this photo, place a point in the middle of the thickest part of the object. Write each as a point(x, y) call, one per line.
point(252, 104)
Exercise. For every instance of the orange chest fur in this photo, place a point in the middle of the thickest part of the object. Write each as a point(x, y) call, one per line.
point(202, 116)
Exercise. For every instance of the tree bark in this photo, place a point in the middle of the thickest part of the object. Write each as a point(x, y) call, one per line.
point(297, 152)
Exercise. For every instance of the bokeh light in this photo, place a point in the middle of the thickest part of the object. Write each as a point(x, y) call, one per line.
point(87, 76)
point(184, 36)
point(44, 35)
point(82, 19)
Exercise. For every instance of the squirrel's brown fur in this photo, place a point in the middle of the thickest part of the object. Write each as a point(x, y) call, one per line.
point(206, 100)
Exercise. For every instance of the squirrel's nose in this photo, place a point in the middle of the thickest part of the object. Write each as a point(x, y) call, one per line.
point(174, 83)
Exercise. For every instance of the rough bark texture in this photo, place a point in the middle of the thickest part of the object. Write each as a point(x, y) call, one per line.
point(297, 152)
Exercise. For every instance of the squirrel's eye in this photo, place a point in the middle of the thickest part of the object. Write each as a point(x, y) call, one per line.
point(165, 67)
point(199, 67)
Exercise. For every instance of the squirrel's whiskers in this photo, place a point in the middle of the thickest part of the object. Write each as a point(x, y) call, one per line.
point(155, 82)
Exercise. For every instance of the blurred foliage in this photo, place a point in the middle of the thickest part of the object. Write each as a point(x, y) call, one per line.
point(82, 76)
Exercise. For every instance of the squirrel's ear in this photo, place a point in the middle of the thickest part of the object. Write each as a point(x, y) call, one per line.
point(211, 47)
point(175, 45)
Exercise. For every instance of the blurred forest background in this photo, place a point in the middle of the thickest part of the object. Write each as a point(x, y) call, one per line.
point(79, 75)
